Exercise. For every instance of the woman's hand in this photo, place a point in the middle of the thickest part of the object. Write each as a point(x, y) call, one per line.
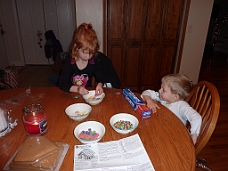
point(99, 89)
point(151, 103)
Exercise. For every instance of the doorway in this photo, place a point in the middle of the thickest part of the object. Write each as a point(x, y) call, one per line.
point(37, 17)
point(3, 54)
point(219, 15)
point(30, 20)
point(11, 50)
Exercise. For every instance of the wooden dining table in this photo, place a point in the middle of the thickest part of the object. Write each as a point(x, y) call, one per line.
point(165, 138)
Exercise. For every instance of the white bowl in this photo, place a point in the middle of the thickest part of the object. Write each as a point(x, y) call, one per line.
point(91, 99)
point(84, 128)
point(122, 127)
point(78, 111)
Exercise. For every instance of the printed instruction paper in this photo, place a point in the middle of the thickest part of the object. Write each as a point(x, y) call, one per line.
point(122, 155)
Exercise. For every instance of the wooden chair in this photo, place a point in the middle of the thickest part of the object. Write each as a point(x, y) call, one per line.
point(204, 98)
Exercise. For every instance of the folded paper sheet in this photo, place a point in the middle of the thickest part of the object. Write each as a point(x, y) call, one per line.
point(125, 154)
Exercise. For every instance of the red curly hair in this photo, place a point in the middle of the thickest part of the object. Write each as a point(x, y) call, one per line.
point(84, 38)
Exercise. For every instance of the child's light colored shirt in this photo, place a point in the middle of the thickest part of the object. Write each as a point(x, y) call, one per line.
point(181, 109)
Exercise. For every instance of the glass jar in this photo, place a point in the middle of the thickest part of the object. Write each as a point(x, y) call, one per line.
point(34, 119)
point(3, 120)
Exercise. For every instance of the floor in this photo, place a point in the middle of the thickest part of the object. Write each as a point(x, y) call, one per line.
point(37, 76)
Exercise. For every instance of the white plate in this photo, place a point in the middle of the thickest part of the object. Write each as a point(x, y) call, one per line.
point(124, 117)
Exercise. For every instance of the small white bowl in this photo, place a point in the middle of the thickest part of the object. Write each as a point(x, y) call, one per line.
point(78, 111)
point(92, 130)
point(124, 128)
point(91, 99)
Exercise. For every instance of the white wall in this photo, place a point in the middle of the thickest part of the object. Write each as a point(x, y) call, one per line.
point(91, 11)
point(195, 38)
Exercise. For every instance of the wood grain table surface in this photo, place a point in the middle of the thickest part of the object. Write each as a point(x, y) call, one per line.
point(164, 137)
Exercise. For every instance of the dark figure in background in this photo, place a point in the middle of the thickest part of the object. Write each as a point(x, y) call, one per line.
point(52, 45)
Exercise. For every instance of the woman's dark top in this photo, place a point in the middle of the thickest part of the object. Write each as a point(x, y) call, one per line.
point(71, 75)
point(108, 70)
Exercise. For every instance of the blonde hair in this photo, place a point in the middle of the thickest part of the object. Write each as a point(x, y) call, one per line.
point(84, 37)
point(179, 84)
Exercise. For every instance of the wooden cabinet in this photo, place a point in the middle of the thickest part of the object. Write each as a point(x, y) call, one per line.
point(143, 39)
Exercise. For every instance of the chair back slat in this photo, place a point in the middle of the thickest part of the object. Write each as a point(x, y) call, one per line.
point(204, 98)
point(199, 95)
point(205, 107)
point(205, 120)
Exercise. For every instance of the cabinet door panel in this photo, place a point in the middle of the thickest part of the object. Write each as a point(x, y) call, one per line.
point(131, 68)
point(150, 69)
point(116, 30)
point(116, 20)
point(117, 59)
point(154, 20)
point(167, 61)
point(135, 19)
point(172, 19)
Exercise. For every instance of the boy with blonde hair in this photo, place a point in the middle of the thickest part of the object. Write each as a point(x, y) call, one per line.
point(174, 89)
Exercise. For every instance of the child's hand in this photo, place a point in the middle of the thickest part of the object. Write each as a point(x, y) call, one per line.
point(83, 90)
point(99, 89)
point(194, 138)
point(78, 89)
point(151, 103)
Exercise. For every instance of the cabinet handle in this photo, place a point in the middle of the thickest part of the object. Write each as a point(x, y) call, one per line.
point(2, 31)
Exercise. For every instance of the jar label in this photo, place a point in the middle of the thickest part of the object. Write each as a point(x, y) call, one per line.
point(36, 128)
point(43, 126)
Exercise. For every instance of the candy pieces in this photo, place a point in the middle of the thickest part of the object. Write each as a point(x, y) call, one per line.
point(123, 125)
point(78, 113)
point(88, 135)
point(91, 98)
